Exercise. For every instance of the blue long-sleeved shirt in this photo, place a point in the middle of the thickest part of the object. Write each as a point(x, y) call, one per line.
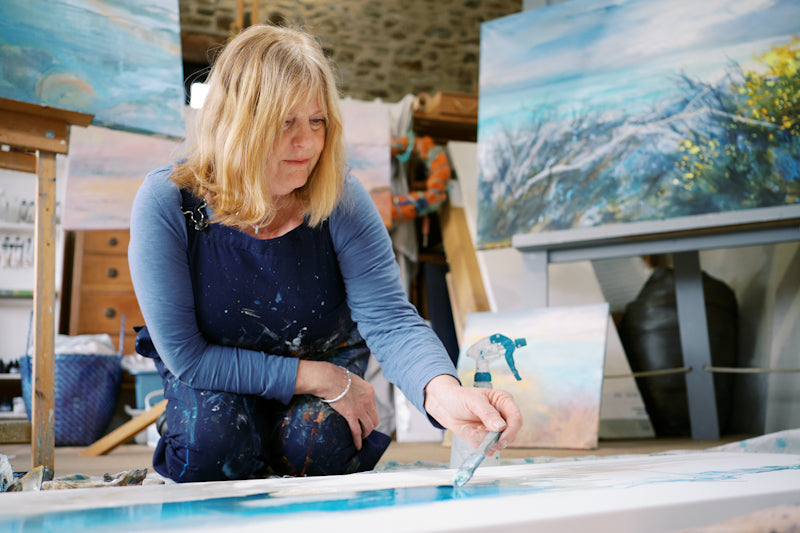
point(409, 352)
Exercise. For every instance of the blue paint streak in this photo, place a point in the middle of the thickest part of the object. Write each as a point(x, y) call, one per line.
point(229, 512)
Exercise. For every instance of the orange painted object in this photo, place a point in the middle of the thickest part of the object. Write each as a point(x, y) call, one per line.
point(420, 203)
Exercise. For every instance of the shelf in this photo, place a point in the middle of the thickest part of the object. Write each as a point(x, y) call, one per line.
point(19, 294)
point(27, 227)
point(10, 377)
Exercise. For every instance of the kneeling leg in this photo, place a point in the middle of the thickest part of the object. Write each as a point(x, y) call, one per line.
point(312, 439)
point(209, 436)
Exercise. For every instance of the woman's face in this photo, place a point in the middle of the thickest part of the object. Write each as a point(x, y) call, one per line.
point(298, 149)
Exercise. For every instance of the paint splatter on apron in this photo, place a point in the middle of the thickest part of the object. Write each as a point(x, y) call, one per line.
point(284, 296)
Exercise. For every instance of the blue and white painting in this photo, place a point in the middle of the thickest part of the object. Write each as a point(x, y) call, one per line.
point(119, 60)
point(596, 112)
point(627, 493)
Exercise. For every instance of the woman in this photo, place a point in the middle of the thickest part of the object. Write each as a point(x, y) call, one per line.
point(266, 278)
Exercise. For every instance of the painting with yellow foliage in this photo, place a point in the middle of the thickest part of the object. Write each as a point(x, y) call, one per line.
point(600, 112)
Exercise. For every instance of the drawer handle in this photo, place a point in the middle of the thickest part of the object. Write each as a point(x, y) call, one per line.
point(113, 241)
point(112, 272)
point(110, 312)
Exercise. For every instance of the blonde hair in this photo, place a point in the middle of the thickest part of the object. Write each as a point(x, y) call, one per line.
point(260, 76)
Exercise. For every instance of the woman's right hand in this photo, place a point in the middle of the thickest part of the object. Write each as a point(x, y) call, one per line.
point(472, 412)
point(327, 381)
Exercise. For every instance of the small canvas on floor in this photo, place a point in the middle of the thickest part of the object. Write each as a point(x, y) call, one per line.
point(555, 369)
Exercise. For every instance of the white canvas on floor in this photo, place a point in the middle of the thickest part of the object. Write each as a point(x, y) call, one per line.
point(635, 493)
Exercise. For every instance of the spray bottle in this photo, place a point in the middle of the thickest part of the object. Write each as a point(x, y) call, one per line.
point(484, 351)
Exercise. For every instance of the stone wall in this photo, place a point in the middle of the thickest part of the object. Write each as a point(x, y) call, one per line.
point(380, 49)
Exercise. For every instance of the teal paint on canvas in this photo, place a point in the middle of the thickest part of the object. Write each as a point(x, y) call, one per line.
point(572, 494)
point(118, 60)
point(221, 513)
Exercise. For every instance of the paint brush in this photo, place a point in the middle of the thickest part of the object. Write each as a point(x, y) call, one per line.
point(469, 465)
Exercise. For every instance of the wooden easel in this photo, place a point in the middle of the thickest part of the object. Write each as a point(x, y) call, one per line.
point(35, 134)
point(238, 25)
point(125, 432)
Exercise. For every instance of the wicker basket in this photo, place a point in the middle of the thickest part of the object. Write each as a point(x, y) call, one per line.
point(86, 391)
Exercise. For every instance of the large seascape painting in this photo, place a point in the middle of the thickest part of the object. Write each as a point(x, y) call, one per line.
point(598, 112)
point(119, 60)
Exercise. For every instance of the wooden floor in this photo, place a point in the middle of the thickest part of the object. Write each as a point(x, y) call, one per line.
point(136, 456)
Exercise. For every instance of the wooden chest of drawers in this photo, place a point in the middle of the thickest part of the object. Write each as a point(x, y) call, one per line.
point(101, 289)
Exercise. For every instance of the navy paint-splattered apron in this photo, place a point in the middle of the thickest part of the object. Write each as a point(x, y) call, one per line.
point(283, 296)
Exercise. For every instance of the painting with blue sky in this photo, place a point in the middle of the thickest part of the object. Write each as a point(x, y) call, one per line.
point(107, 167)
point(367, 130)
point(596, 112)
point(557, 375)
point(118, 60)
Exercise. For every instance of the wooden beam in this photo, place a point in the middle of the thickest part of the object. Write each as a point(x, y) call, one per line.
point(44, 130)
point(33, 132)
point(239, 16)
point(64, 115)
point(43, 375)
point(20, 161)
point(77, 266)
point(125, 432)
point(465, 283)
point(44, 303)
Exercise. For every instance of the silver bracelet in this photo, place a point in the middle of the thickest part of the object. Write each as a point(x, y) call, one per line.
point(346, 389)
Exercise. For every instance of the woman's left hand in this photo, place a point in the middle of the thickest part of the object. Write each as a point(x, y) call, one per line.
point(472, 412)
point(357, 405)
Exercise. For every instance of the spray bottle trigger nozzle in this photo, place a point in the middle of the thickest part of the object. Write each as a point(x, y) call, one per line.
point(509, 346)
